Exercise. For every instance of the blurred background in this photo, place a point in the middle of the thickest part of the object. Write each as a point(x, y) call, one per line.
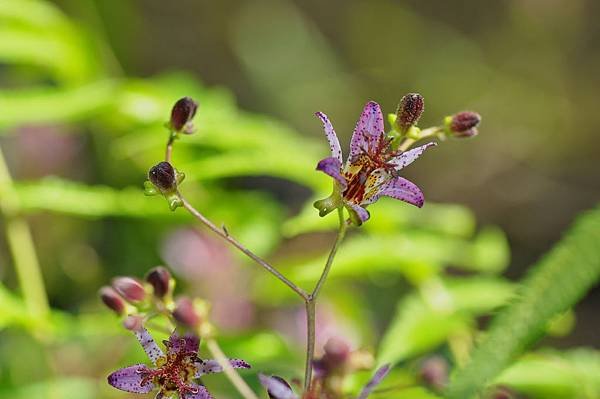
point(86, 85)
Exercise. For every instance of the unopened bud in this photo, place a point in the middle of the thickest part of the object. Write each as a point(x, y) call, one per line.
point(163, 176)
point(464, 124)
point(337, 351)
point(112, 300)
point(160, 279)
point(133, 322)
point(129, 288)
point(409, 111)
point(182, 113)
point(434, 372)
point(185, 313)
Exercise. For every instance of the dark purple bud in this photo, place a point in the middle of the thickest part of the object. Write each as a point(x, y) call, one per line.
point(464, 124)
point(185, 313)
point(277, 387)
point(162, 176)
point(133, 322)
point(409, 111)
point(182, 113)
point(129, 288)
point(112, 300)
point(160, 278)
point(434, 372)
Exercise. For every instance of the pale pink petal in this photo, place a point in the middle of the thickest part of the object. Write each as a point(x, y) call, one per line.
point(408, 157)
point(210, 366)
point(399, 188)
point(149, 345)
point(277, 387)
point(368, 130)
point(332, 166)
point(334, 143)
point(130, 378)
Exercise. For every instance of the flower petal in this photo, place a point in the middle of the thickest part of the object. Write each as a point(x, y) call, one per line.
point(358, 214)
point(199, 392)
point(210, 366)
point(150, 346)
point(368, 130)
point(334, 143)
point(188, 343)
point(408, 157)
point(333, 167)
point(373, 382)
point(277, 387)
point(399, 188)
point(129, 379)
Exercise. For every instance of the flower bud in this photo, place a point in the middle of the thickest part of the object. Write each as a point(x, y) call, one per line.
point(163, 176)
point(434, 372)
point(129, 288)
point(464, 124)
point(133, 322)
point(336, 351)
point(112, 300)
point(409, 111)
point(185, 313)
point(182, 113)
point(160, 279)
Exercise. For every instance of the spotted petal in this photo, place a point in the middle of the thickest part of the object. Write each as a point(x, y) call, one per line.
point(368, 130)
point(334, 143)
point(332, 166)
point(358, 214)
point(197, 392)
point(210, 366)
point(399, 188)
point(149, 345)
point(408, 157)
point(188, 343)
point(129, 379)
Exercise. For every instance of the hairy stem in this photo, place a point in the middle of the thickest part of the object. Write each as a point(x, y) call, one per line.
point(226, 236)
point(21, 247)
point(229, 371)
point(312, 299)
point(406, 143)
point(169, 147)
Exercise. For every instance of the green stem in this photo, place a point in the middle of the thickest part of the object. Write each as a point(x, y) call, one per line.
point(312, 298)
point(229, 371)
point(21, 246)
point(406, 143)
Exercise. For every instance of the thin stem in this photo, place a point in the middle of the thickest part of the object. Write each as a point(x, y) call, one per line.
point(229, 371)
point(226, 236)
point(21, 246)
point(340, 236)
point(311, 303)
point(310, 342)
point(426, 133)
point(169, 148)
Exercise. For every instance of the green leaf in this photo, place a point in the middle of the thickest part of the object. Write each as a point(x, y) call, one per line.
point(556, 283)
point(555, 375)
point(418, 326)
point(63, 388)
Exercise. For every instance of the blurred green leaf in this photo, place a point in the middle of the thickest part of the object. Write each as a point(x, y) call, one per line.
point(63, 388)
point(418, 326)
point(555, 375)
point(556, 283)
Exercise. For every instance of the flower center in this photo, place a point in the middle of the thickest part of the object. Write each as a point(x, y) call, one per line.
point(174, 373)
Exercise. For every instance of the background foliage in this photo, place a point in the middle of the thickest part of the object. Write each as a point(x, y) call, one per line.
point(86, 87)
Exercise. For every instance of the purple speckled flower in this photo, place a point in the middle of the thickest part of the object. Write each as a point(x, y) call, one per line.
point(371, 170)
point(173, 372)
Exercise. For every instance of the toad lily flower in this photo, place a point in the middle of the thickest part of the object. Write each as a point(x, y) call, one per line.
point(371, 170)
point(172, 373)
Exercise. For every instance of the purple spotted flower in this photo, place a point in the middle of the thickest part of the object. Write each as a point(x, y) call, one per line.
point(371, 170)
point(173, 372)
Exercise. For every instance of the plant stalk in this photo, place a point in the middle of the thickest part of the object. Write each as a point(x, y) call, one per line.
point(229, 371)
